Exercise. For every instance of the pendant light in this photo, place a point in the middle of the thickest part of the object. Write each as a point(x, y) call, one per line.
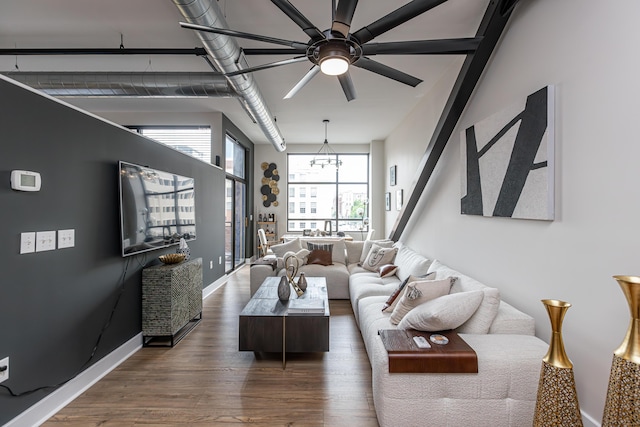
point(326, 156)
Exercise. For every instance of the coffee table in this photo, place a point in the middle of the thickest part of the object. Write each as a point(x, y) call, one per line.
point(265, 325)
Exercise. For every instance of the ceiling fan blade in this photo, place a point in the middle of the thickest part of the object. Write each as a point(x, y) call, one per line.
point(347, 86)
point(232, 33)
point(424, 47)
point(296, 16)
point(395, 18)
point(344, 15)
point(307, 77)
point(267, 66)
point(384, 70)
point(273, 51)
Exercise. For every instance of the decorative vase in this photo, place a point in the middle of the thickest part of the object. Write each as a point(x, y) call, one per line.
point(284, 291)
point(302, 282)
point(183, 248)
point(557, 400)
point(622, 406)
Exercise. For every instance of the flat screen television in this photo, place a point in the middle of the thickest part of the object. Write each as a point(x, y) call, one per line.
point(157, 208)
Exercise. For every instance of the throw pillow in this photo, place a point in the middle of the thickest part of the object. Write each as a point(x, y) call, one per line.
point(312, 246)
point(283, 248)
point(416, 293)
point(378, 256)
point(366, 247)
point(354, 250)
point(440, 314)
point(319, 256)
point(392, 301)
point(387, 270)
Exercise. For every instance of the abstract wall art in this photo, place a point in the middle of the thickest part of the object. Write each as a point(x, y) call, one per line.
point(507, 161)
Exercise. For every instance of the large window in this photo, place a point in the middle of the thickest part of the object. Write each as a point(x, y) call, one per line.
point(339, 195)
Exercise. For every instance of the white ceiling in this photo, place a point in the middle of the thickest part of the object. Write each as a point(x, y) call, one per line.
point(380, 106)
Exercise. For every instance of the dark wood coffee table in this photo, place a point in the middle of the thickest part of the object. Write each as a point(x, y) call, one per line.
point(265, 325)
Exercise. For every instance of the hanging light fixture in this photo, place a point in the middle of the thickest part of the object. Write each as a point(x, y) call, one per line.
point(326, 156)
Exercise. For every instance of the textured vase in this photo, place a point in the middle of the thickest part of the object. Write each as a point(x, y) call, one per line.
point(302, 282)
point(622, 407)
point(284, 290)
point(557, 401)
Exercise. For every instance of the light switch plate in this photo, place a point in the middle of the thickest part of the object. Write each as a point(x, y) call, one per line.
point(45, 240)
point(66, 238)
point(27, 242)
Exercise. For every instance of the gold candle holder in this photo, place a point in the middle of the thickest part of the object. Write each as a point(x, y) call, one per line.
point(622, 405)
point(557, 400)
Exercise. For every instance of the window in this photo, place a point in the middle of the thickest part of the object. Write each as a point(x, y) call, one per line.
point(340, 196)
point(292, 207)
point(194, 141)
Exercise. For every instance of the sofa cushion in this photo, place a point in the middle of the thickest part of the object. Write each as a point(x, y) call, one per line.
point(410, 262)
point(443, 313)
point(354, 251)
point(378, 256)
point(482, 319)
point(416, 293)
point(290, 246)
point(366, 247)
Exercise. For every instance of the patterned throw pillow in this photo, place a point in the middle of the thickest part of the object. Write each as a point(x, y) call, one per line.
point(379, 256)
point(321, 253)
point(392, 301)
point(416, 293)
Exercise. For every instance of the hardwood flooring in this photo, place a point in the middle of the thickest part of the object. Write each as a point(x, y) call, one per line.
point(205, 381)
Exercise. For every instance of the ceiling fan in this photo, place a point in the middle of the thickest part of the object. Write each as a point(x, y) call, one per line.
point(334, 50)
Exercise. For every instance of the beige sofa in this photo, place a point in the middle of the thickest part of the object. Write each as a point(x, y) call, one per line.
point(502, 393)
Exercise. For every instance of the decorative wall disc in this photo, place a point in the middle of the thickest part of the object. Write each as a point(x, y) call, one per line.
point(264, 165)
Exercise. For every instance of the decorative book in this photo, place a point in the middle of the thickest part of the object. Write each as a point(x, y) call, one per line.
point(306, 306)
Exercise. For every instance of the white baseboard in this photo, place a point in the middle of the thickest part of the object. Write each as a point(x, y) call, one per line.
point(54, 402)
point(206, 292)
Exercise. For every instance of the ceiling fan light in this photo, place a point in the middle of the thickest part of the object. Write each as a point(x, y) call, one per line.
point(334, 66)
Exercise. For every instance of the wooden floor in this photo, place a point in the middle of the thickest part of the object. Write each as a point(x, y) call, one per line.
point(206, 381)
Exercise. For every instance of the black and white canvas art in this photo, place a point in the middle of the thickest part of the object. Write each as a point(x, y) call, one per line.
point(507, 161)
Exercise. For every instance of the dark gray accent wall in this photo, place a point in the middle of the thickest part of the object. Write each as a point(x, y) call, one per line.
point(53, 305)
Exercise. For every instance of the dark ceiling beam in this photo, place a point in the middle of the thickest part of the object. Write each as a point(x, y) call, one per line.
point(493, 23)
point(197, 51)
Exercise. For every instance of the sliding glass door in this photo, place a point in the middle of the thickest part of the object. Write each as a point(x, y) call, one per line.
point(235, 205)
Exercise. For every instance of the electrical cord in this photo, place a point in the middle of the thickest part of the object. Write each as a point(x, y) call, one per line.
point(95, 347)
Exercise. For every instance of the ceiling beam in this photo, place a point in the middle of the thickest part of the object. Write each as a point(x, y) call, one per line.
point(493, 23)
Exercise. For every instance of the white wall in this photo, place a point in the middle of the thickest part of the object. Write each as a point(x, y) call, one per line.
point(588, 50)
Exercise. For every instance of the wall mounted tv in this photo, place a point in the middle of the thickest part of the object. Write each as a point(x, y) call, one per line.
point(156, 208)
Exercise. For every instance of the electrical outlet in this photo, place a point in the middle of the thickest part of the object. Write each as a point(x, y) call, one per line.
point(45, 241)
point(211, 265)
point(27, 242)
point(4, 375)
point(66, 238)
point(220, 260)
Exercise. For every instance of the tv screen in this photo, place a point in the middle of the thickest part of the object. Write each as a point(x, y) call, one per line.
point(156, 208)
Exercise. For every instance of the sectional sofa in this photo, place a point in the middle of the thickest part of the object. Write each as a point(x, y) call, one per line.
point(502, 393)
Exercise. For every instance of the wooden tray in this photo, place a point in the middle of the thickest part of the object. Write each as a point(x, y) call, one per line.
point(404, 356)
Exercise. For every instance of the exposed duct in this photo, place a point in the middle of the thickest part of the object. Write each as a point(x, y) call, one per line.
point(119, 84)
point(226, 55)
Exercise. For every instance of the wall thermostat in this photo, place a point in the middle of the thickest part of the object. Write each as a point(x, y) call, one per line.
point(25, 180)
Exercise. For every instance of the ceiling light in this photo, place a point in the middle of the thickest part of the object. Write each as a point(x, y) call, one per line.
point(333, 59)
point(326, 156)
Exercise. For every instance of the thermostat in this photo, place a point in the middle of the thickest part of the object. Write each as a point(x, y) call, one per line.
point(25, 180)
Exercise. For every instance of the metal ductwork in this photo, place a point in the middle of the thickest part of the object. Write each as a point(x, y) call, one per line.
point(226, 55)
point(124, 84)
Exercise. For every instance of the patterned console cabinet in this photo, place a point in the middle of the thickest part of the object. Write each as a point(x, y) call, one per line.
point(171, 300)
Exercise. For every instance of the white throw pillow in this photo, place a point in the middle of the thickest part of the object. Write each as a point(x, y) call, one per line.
point(379, 256)
point(394, 298)
point(283, 248)
point(416, 293)
point(366, 247)
point(443, 313)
